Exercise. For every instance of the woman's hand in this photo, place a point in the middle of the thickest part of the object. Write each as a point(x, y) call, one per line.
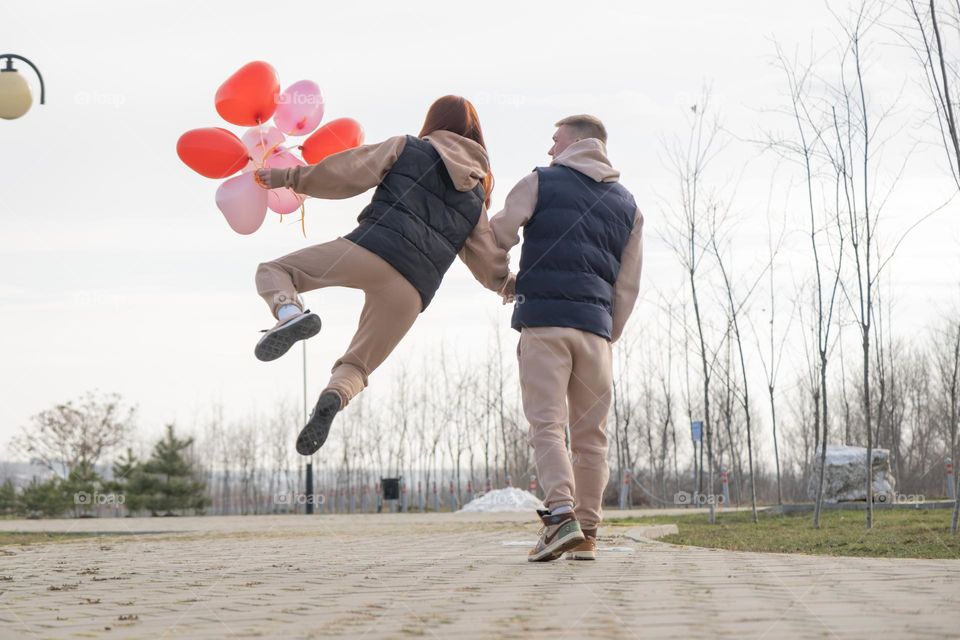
point(262, 178)
point(508, 292)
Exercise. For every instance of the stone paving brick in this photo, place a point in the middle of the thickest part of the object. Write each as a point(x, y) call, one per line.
point(444, 576)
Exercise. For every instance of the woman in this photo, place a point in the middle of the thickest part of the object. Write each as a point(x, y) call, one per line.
point(430, 206)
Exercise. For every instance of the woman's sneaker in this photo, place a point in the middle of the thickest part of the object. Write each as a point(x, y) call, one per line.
point(277, 341)
point(315, 433)
point(586, 550)
point(560, 533)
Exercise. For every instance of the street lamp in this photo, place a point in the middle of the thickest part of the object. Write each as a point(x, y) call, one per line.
point(15, 96)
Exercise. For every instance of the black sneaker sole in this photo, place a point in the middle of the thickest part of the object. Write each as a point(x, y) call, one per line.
point(315, 433)
point(277, 343)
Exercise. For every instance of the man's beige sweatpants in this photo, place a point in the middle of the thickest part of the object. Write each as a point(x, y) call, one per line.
point(391, 303)
point(565, 379)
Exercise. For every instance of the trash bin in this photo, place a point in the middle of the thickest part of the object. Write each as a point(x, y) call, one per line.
point(390, 488)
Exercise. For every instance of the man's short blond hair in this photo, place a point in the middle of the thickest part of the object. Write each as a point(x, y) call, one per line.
point(586, 126)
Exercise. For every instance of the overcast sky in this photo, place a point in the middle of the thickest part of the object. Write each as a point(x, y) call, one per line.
point(118, 272)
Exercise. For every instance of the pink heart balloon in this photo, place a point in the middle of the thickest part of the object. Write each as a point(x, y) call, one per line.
point(283, 200)
point(300, 108)
point(284, 160)
point(243, 203)
point(259, 140)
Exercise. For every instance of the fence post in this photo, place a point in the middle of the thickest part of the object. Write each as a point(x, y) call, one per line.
point(951, 481)
point(624, 489)
point(726, 486)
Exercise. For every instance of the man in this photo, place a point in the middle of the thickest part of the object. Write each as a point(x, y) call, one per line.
point(576, 286)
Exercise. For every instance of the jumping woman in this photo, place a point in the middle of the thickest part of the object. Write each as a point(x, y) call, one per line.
point(430, 206)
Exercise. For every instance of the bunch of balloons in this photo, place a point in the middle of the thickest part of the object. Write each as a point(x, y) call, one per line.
point(249, 98)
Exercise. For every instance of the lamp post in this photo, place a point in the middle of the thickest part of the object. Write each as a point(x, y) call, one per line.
point(309, 470)
point(15, 96)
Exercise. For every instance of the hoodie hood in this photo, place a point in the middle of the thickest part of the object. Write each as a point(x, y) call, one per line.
point(589, 157)
point(466, 161)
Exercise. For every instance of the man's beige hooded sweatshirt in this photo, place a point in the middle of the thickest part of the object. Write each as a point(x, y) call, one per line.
point(589, 157)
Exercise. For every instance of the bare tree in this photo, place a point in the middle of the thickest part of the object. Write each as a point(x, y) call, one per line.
point(772, 362)
point(624, 407)
point(853, 152)
point(947, 363)
point(809, 137)
point(940, 72)
point(76, 433)
point(735, 305)
point(690, 160)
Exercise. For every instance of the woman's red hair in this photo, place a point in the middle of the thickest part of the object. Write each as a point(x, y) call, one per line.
point(458, 115)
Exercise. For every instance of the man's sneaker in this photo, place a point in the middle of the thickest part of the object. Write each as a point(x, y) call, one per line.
point(315, 433)
point(277, 341)
point(586, 550)
point(560, 533)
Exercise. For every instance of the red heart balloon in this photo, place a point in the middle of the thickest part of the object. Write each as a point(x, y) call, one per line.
point(212, 152)
point(250, 96)
point(335, 136)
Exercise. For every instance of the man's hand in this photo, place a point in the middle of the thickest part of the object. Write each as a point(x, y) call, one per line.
point(262, 178)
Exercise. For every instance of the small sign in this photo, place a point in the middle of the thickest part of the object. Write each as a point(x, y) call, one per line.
point(696, 430)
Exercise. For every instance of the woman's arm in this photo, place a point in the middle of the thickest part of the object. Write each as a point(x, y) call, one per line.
point(488, 263)
point(342, 175)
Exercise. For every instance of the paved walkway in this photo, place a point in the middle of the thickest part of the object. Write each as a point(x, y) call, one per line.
point(443, 576)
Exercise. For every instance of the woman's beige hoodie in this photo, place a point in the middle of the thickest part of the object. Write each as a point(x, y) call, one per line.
point(351, 172)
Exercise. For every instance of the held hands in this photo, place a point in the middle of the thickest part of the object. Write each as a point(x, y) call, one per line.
point(508, 292)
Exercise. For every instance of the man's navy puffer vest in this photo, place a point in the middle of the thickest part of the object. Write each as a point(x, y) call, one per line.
point(571, 253)
point(417, 220)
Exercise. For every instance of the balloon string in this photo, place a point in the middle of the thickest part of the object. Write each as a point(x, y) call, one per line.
point(269, 151)
point(263, 161)
point(262, 142)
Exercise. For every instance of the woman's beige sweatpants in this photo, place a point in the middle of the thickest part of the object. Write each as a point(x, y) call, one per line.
point(391, 304)
point(565, 378)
